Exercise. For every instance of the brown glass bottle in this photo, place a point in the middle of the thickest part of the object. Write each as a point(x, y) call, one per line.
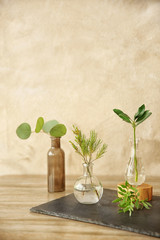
point(56, 167)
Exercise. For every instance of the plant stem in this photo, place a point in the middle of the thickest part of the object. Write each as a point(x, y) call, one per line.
point(92, 182)
point(135, 158)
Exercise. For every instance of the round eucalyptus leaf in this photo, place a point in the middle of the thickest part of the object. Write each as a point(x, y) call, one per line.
point(49, 125)
point(58, 131)
point(39, 124)
point(23, 131)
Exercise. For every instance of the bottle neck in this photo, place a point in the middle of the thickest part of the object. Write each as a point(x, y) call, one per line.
point(55, 142)
point(132, 143)
point(134, 148)
point(87, 169)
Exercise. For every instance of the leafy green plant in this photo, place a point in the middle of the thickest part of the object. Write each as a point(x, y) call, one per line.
point(140, 116)
point(129, 200)
point(90, 149)
point(52, 128)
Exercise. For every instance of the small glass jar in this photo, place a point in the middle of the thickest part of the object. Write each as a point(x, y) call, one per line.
point(56, 167)
point(87, 188)
point(135, 174)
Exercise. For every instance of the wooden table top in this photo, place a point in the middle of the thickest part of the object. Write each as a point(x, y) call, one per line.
point(19, 193)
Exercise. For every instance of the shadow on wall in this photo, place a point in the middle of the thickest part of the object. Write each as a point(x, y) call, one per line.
point(147, 149)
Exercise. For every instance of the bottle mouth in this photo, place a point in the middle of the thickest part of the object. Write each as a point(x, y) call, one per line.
point(52, 137)
point(87, 164)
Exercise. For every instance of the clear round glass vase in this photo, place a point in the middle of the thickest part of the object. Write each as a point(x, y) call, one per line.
point(135, 173)
point(87, 188)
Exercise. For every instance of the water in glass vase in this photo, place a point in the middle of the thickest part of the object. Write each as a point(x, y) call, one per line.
point(131, 180)
point(88, 189)
point(130, 174)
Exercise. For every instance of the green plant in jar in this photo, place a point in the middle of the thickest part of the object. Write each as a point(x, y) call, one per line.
point(140, 116)
point(87, 188)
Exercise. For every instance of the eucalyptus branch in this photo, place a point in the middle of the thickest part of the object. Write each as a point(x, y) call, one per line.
point(52, 128)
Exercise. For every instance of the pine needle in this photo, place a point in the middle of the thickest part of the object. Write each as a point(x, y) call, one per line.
point(89, 148)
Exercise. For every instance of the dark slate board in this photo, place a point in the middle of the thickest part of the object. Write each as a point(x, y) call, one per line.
point(105, 213)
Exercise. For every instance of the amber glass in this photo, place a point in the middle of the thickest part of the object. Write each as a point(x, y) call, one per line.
point(56, 167)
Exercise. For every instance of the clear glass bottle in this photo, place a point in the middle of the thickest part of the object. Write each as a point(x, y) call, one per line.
point(87, 188)
point(130, 175)
point(56, 167)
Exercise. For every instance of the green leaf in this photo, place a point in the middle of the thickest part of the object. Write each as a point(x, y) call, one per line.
point(125, 199)
point(149, 204)
point(88, 146)
point(137, 204)
point(127, 184)
point(145, 115)
point(122, 205)
point(132, 192)
point(23, 131)
point(101, 151)
point(93, 143)
point(117, 200)
point(126, 208)
point(122, 115)
point(145, 205)
point(85, 146)
point(49, 125)
point(74, 146)
point(39, 124)
point(121, 189)
point(58, 131)
point(130, 213)
point(134, 189)
point(120, 210)
point(129, 201)
point(140, 112)
point(121, 193)
point(128, 194)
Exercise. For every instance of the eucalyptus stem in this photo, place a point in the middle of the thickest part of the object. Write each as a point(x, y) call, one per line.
point(135, 157)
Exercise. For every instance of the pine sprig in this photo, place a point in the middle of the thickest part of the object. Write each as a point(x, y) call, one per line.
point(129, 200)
point(89, 148)
point(101, 152)
point(94, 143)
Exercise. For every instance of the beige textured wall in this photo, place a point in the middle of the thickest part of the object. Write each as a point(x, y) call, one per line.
point(74, 61)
